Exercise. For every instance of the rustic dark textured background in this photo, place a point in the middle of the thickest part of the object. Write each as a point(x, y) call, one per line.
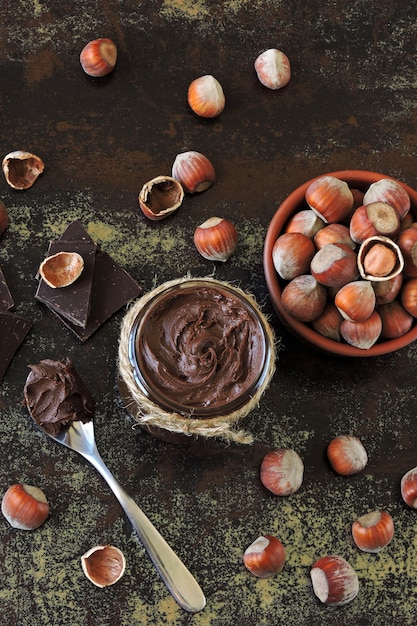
point(351, 104)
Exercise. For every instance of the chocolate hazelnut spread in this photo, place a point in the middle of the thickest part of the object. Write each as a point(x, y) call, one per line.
point(55, 395)
point(199, 348)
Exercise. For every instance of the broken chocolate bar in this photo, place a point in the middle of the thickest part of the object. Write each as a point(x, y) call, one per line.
point(13, 331)
point(75, 231)
point(72, 302)
point(112, 287)
point(6, 300)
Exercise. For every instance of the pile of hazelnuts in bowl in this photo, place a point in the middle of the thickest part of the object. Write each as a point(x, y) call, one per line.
point(340, 261)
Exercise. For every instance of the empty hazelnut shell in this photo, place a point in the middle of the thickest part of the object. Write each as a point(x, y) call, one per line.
point(103, 565)
point(21, 169)
point(61, 269)
point(160, 197)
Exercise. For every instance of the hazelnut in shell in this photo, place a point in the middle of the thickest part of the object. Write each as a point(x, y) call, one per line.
point(24, 506)
point(216, 239)
point(373, 531)
point(334, 233)
point(407, 242)
point(329, 322)
point(396, 321)
point(409, 488)
point(306, 222)
point(330, 198)
point(334, 265)
point(347, 455)
point(273, 69)
point(379, 259)
point(103, 565)
point(364, 334)
point(387, 290)
point(98, 57)
point(391, 192)
point(265, 557)
point(409, 296)
point(206, 97)
point(373, 219)
point(334, 580)
point(282, 471)
point(194, 171)
point(356, 300)
point(292, 254)
point(304, 298)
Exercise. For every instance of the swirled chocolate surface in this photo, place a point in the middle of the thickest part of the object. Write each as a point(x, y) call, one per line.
point(200, 347)
point(56, 395)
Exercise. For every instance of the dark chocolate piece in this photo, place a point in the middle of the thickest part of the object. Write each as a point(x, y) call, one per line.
point(112, 289)
point(72, 302)
point(75, 232)
point(6, 300)
point(13, 331)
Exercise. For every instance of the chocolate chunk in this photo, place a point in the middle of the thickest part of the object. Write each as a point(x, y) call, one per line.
point(6, 300)
point(13, 331)
point(75, 232)
point(72, 302)
point(112, 289)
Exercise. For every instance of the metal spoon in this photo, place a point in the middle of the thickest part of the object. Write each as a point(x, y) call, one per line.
point(179, 580)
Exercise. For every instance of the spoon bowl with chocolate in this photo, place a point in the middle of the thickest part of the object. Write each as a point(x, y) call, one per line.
point(62, 407)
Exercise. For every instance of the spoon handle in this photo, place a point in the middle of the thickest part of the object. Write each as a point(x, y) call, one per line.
point(178, 579)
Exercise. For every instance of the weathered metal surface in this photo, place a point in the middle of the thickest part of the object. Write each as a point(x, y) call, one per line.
point(350, 105)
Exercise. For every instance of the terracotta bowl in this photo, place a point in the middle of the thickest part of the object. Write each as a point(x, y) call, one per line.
point(358, 179)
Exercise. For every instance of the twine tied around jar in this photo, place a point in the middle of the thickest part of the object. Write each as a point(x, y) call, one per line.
point(149, 415)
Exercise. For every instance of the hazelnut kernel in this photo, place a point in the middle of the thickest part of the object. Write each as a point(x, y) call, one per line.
point(380, 260)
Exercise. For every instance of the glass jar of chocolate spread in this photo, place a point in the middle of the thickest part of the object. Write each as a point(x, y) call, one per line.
point(200, 348)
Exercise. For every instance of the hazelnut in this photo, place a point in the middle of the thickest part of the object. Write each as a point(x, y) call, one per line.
point(25, 506)
point(373, 531)
point(265, 557)
point(347, 455)
point(334, 580)
point(98, 57)
point(216, 239)
point(292, 254)
point(205, 96)
point(304, 298)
